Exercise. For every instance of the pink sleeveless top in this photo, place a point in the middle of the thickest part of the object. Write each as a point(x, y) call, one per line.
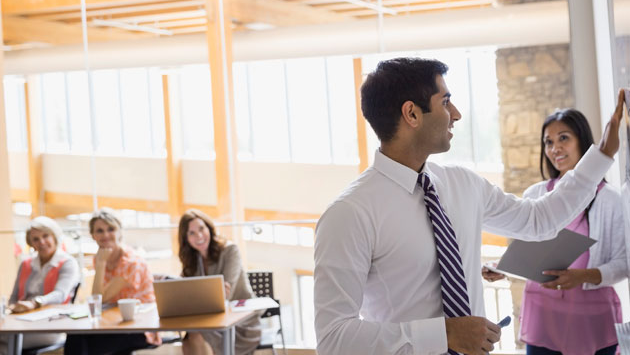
point(575, 321)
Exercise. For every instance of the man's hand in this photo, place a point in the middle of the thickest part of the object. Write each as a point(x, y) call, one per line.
point(471, 335)
point(609, 144)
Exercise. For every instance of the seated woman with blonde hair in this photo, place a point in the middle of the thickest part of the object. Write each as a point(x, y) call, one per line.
point(49, 277)
point(202, 252)
point(119, 273)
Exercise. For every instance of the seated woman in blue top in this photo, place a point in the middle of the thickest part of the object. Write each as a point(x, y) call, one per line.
point(49, 277)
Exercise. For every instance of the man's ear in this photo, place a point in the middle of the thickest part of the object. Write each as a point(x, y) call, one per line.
point(411, 114)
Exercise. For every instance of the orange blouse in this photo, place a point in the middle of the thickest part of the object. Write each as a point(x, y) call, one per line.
point(133, 269)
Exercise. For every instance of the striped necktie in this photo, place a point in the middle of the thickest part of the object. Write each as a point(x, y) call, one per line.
point(454, 296)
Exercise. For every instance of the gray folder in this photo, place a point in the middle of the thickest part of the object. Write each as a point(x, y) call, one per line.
point(530, 259)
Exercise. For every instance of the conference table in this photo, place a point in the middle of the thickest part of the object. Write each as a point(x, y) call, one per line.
point(111, 322)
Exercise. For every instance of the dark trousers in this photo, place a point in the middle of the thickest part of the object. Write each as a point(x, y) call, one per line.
point(104, 344)
point(538, 350)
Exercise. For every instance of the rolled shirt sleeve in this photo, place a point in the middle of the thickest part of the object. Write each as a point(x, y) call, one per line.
point(542, 218)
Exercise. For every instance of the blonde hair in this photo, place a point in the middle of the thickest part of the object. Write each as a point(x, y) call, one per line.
point(46, 225)
point(106, 215)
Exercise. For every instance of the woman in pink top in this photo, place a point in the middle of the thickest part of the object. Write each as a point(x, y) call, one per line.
point(575, 313)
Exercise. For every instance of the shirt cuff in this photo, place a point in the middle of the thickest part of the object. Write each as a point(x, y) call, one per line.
point(594, 165)
point(428, 336)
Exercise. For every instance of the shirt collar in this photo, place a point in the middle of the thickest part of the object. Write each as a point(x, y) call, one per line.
point(404, 176)
point(37, 266)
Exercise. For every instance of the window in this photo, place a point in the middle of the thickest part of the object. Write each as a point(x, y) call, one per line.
point(107, 111)
point(54, 113)
point(297, 110)
point(280, 234)
point(342, 108)
point(195, 96)
point(136, 111)
point(308, 109)
point(15, 114)
point(79, 112)
point(306, 287)
point(242, 110)
point(128, 111)
point(268, 107)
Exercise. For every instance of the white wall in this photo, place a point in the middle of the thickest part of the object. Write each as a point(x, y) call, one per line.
point(293, 187)
point(18, 171)
point(199, 182)
point(126, 177)
point(265, 186)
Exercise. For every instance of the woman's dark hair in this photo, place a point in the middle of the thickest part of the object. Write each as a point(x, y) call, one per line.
point(394, 82)
point(187, 254)
point(578, 124)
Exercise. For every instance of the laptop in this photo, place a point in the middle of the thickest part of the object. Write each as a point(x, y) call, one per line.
point(190, 295)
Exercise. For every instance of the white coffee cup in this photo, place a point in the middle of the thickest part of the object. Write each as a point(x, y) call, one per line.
point(128, 308)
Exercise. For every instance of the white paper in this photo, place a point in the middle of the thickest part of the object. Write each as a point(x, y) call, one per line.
point(40, 315)
point(254, 304)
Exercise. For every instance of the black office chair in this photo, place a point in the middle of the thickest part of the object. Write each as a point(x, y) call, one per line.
point(56, 346)
point(262, 285)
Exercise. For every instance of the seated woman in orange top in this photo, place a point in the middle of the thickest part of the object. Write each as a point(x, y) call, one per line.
point(120, 273)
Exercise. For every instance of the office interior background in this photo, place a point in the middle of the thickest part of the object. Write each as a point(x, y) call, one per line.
point(248, 110)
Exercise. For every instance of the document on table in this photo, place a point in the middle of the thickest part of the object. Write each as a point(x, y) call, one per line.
point(530, 259)
point(39, 315)
point(253, 304)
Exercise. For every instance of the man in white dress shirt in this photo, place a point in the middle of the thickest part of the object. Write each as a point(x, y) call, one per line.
point(377, 279)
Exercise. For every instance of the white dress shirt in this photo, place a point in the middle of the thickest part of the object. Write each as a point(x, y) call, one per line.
point(377, 280)
point(66, 281)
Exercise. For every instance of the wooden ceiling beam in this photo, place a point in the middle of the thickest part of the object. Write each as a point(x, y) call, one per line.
point(35, 7)
point(123, 11)
point(406, 9)
point(21, 30)
point(168, 16)
point(281, 13)
point(193, 29)
point(403, 5)
point(182, 23)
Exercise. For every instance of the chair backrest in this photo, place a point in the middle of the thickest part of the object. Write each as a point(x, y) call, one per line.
point(261, 282)
point(75, 291)
point(262, 285)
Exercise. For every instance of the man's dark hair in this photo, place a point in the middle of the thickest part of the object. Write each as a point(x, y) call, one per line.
point(392, 83)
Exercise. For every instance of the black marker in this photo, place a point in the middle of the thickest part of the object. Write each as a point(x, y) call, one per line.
point(505, 322)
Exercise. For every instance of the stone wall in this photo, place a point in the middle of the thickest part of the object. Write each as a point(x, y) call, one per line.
point(533, 82)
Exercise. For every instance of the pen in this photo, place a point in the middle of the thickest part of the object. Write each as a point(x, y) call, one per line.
point(505, 322)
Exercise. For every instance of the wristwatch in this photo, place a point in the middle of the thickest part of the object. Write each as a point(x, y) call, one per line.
point(38, 300)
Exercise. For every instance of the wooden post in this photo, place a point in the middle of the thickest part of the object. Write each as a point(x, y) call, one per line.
point(34, 157)
point(173, 163)
point(219, 36)
point(7, 240)
point(361, 133)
